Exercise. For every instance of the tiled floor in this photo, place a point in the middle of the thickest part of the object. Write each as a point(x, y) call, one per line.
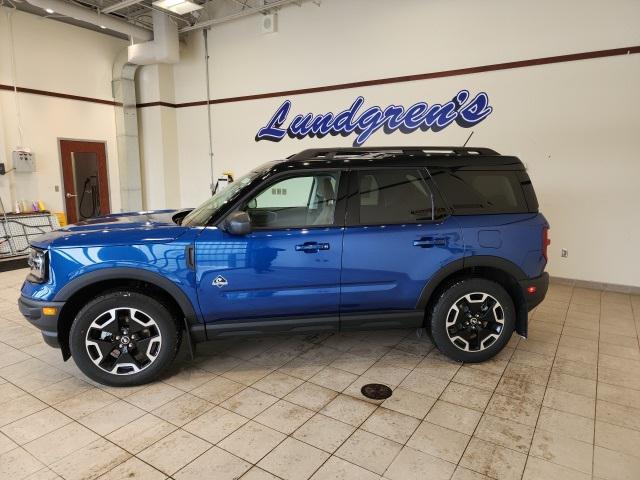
point(564, 404)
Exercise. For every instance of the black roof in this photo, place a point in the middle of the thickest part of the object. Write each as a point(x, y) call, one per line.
point(453, 157)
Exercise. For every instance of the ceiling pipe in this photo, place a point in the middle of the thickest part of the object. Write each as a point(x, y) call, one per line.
point(93, 17)
point(240, 14)
point(164, 48)
point(120, 6)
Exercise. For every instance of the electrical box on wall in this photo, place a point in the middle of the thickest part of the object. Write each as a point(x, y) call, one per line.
point(23, 160)
point(269, 23)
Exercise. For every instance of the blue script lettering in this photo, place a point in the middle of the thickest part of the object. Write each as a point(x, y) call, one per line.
point(435, 117)
point(273, 131)
point(370, 121)
point(343, 122)
point(300, 126)
point(476, 111)
point(414, 116)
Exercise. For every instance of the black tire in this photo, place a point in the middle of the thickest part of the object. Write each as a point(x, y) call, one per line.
point(164, 336)
point(442, 310)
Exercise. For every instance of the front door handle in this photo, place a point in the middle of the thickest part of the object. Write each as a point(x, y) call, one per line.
point(312, 247)
point(430, 242)
point(71, 195)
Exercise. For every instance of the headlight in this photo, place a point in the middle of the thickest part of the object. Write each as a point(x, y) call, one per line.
point(37, 265)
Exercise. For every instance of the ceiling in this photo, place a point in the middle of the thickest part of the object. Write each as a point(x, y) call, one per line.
point(139, 12)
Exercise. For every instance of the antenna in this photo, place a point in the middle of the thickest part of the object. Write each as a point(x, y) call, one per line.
point(468, 138)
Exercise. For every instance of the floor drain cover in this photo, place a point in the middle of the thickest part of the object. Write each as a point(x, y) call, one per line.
point(376, 391)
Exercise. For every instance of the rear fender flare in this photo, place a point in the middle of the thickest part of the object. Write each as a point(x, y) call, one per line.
point(451, 268)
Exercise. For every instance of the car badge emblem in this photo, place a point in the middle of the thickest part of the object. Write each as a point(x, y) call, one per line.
point(220, 281)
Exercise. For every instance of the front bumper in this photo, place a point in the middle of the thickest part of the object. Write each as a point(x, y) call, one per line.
point(540, 284)
point(48, 324)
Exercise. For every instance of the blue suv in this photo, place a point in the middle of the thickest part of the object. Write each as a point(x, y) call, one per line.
point(444, 238)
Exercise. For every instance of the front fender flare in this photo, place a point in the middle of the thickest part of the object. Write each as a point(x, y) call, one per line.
point(100, 275)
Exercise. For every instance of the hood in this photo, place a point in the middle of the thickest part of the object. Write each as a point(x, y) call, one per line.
point(117, 229)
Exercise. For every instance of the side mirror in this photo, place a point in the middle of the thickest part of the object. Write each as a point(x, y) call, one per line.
point(238, 223)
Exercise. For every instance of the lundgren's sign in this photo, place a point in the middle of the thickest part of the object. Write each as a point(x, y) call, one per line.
point(462, 109)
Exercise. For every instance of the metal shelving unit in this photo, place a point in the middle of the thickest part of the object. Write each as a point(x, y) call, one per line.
point(17, 230)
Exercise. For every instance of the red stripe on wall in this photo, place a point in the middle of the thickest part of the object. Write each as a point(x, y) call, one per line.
point(412, 78)
point(66, 96)
point(158, 104)
point(365, 83)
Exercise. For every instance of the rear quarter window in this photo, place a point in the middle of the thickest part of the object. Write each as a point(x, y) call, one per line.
point(473, 192)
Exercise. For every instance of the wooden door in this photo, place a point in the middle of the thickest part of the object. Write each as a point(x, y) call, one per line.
point(85, 180)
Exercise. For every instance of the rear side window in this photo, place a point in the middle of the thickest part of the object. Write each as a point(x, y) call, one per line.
point(393, 196)
point(472, 192)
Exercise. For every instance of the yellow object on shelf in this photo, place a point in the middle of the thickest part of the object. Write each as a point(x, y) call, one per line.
point(62, 218)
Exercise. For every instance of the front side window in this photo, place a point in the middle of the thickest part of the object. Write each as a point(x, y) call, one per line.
point(201, 215)
point(394, 197)
point(303, 201)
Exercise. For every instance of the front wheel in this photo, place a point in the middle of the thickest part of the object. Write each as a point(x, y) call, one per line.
point(472, 320)
point(124, 338)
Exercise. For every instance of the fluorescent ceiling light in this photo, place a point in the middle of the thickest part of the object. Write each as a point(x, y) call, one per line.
point(49, 11)
point(177, 6)
point(168, 3)
point(103, 27)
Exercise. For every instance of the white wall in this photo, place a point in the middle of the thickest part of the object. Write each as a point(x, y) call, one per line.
point(351, 40)
point(574, 124)
point(56, 57)
point(580, 146)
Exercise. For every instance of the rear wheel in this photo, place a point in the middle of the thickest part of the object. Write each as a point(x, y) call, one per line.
point(472, 320)
point(124, 338)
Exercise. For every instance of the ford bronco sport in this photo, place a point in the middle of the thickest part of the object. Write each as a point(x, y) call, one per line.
point(445, 238)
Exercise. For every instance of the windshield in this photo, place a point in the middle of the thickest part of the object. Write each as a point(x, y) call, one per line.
point(202, 214)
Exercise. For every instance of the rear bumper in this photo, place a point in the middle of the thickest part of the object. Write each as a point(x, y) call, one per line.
point(541, 285)
point(48, 324)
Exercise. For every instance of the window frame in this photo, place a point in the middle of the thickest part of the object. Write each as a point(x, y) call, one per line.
point(353, 196)
point(340, 206)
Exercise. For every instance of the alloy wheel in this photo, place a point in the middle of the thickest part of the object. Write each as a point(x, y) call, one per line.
point(475, 321)
point(123, 341)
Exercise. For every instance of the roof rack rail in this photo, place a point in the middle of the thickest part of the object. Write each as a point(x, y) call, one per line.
point(329, 153)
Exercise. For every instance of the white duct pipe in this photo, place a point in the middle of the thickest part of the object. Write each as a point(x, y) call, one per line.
point(127, 138)
point(90, 16)
point(164, 48)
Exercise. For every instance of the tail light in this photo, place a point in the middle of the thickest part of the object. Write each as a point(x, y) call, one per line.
point(546, 241)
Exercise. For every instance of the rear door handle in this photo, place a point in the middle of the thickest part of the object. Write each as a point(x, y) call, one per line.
point(430, 242)
point(312, 247)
